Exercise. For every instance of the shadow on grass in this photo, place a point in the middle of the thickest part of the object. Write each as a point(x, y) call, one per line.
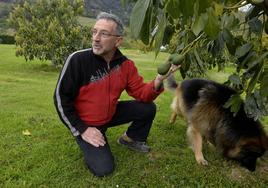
point(46, 67)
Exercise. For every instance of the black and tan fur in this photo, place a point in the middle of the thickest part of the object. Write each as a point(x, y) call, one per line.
point(201, 102)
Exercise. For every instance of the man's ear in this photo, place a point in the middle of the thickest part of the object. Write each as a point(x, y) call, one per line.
point(118, 41)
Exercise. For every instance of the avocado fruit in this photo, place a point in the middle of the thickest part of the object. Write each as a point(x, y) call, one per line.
point(163, 69)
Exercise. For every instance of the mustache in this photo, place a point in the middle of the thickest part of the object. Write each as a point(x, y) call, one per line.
point(96, 44)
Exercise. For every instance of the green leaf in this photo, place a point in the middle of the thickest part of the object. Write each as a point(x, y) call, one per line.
point(187, 8)
point(137, 17)
point(185, 66)
point(212, 27)
point(198, 59)
point(203, 5)
point(255, 26)
point(145, 30)
point(169, 31)
point(261, 103)
point(232, 46)
point(227, 36)
point(218, 9)
point(235, 79)
point(264, 83)
point(173, 8)
point(254, 79)
point(160, 33)
point(254, 63)
point(243, 61)
point(234, 103)
point(243, 50)
point(218, 46)
point(256, 67)
point(251, 106)
point(230, 21)
point(199, 24)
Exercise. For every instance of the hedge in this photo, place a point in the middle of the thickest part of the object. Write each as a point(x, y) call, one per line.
point(7, 39)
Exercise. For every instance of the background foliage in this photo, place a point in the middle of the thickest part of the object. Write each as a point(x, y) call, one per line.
point(49, 30)
point(212, 33)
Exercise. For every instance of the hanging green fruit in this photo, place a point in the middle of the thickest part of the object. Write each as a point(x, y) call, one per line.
point(176, 59)
point(163, 69)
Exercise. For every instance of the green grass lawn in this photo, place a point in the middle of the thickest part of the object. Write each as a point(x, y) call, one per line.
point(50, 157)
point(85, 21)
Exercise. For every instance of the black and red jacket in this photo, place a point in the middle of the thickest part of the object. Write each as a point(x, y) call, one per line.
point(88, 89)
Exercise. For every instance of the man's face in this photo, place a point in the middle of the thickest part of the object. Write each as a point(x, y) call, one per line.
point(104, 38)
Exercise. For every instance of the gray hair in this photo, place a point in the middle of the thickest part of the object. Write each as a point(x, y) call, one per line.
point(114, 18)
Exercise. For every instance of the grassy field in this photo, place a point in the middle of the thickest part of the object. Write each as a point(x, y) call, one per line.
point(85, 21)
point(49, 156)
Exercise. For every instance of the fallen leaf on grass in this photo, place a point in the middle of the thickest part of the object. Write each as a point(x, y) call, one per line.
point(26, 132)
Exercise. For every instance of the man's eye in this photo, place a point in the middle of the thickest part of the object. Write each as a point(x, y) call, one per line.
point(94, 32)
point(104, 33)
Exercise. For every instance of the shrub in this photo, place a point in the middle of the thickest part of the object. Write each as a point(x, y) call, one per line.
point(7, 39)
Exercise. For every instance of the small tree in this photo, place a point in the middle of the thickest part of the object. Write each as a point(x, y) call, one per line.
point(49, 29)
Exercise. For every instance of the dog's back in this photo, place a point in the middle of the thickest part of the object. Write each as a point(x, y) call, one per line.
point(198, 99)
point(195, 90)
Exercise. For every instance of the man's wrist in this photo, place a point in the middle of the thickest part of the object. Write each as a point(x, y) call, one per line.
point(158, 83)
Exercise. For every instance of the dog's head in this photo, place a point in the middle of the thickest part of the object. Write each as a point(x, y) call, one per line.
point(248, 150)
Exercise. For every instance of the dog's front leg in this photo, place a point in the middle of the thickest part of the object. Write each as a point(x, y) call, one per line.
point(195, 139)
point(173, 117)
point(174, 110)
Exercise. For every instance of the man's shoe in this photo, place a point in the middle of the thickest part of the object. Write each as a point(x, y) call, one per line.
point(133, 145)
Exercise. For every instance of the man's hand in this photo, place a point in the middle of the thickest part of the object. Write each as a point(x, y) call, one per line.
point(172, 69)
point(93, 136)
point(160, 78)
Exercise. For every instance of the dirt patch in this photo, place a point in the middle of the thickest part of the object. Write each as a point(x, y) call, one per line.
point(240, 174)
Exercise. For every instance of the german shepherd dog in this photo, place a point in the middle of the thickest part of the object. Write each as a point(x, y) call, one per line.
point(200, 102)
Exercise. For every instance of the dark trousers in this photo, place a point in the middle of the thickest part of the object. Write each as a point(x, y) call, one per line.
point(100, 159)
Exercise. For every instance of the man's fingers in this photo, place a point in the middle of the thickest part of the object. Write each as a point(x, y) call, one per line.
point(97, 143)
point(94, 137)
point(99, 140)
point(172, 69)
point(94, 144)
point(97, 133)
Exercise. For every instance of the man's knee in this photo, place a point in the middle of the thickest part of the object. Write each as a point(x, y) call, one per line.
point(101, 170)
point(150, 110)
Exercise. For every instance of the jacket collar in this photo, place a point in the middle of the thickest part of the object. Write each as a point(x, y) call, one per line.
point(118, 57)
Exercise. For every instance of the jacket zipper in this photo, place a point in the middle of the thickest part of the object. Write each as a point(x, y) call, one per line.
point(109, 93)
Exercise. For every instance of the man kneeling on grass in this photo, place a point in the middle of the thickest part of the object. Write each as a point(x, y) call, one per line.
point(87, 93)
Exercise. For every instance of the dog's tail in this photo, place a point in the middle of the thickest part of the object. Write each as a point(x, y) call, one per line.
point(171, 83)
